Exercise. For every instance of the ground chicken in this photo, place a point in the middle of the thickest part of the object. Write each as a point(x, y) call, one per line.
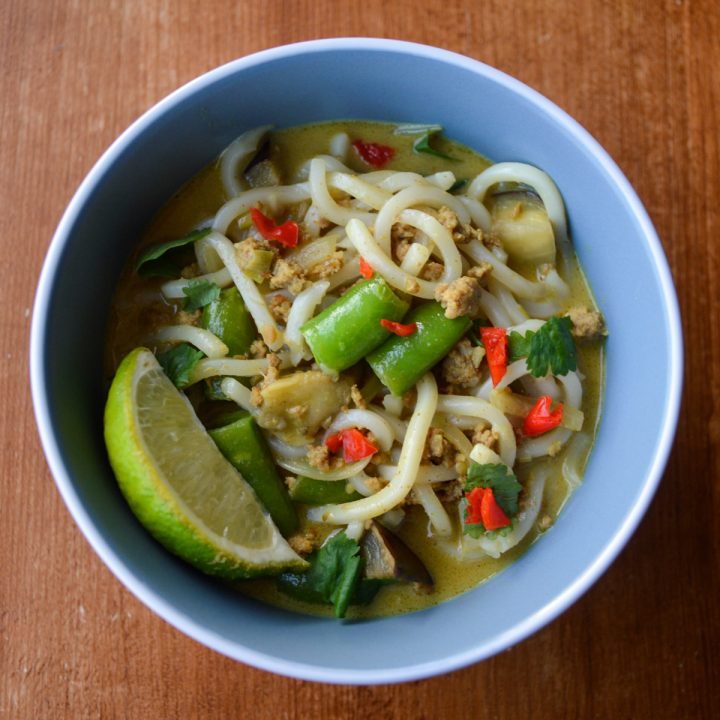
point(190, 271)
point(461, 232)
point(450, 491)
point(460, 298)
point(327, 267)
point(357, 398)
point(258, 349)
point(188, 318)
point(319, 457)
point(288, 274)
point(432, 271)
point(480, 271)
point(256, 397)
point(461, 365)
point(273, 371)
point(303, 543)
point(438, 450)
point(245, 250)
point(587, 324)
point(400, 231)
point(280, 308)
point(484, 435)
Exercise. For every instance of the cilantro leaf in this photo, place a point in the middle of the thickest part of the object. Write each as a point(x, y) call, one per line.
point(504, 484)
point(332, 577)
point(550, 348)
point(422, 145)
point(159, 261)
point(518, 345)
point(179, 362)
point(199, 293)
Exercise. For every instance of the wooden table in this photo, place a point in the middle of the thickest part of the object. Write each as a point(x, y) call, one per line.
point(642, 77)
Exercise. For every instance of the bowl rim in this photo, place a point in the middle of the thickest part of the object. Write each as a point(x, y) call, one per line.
point(156, 602)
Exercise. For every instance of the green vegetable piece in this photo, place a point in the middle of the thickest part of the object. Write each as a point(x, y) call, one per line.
point(550, 348)
point(230, 320)
point(416, 129)
point(422, 145)
point(321, 492)
point(350, 328)
point(333, 576)
point(159, 261)
point(257, 264)
point(457, 186)
point(199, 293)
point(401, 361)
point(243, 444)
point(179, 362)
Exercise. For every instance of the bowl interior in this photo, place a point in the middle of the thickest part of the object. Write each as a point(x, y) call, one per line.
point(380, 80)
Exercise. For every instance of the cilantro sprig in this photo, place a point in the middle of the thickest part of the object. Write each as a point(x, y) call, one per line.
point(506, 490)
point(179, 362)
point(551, 348)
point(333, 577)
point(199, 293)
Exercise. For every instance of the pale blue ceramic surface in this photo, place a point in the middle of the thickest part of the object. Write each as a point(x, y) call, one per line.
point(383, 80)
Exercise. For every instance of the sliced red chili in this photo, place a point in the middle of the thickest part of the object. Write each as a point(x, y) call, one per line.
point(286, 234)
point(355, 445)
point(374, 154)
point(474, 499)
point(365, 268)
point(541, 418)
point(399, 328)
point(334, 442)
point(493, 517)
point(495, 342)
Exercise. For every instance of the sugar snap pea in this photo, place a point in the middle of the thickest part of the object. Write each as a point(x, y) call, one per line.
point(230, 320)
point(401, 361)
point(321, 492)
point(350, 328)
point(243, 444)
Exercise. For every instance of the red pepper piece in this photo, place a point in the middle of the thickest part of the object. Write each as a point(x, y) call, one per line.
point(495, 342)
point(474, 498)
point(365, 268)
point(493, 517)
point(541, 419)
point(399, 328)
point(334, 442)
point(356, 446)
point(374, 154)
point(286, 234)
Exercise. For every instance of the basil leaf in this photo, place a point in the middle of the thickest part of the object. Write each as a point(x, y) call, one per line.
point(158, 261)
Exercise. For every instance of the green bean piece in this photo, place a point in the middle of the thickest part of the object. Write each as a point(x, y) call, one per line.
point(243, 444)
point(230, 320)
point(401, 361)
point(321, 492)
point(350, 328)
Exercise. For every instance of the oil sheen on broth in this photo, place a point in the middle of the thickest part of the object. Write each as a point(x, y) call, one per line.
point(138, 309)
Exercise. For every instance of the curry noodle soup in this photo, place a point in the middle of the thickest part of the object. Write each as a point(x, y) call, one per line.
point(391, 340)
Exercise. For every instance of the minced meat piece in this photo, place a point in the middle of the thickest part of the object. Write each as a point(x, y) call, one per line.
point(303, 543)
point(288, 274)
point(587, 324)
point(432, 271)
point(188, 318)
point(357, 398)
point(258, 349)
point(280, 308)
point(327, 267)
point(273, 371)
point(319, 456)
point(460, 298)
point(400, 231)
point(480, 271)
point(461, 233)
point(190, 271)
point(450, 491)
point(438, 450)
point(484, 435)
point(462, 364)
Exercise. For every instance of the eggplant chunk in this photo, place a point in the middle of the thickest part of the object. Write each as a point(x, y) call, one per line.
point(387, 557)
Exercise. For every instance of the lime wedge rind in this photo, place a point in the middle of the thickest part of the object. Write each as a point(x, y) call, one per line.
point(145, 440)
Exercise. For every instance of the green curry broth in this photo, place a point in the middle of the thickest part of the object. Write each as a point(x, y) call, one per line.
point(139, 308)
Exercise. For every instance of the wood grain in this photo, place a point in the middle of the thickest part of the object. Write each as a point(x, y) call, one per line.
point(642, 77)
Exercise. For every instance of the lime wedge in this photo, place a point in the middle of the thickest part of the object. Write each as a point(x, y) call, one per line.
point(177, 482)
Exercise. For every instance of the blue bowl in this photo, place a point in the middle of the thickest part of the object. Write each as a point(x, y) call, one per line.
point(393, 81)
